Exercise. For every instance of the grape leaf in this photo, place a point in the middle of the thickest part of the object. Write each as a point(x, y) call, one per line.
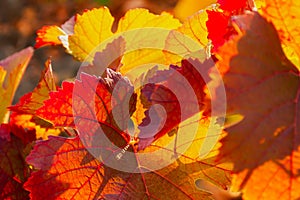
point(217, 33)
point(165, 91)
point(54, 35)
point(14, 171)
point(30, 102)
point(30, 122)
point(152, 26)
point(263, 86)
point(59, 112)
point(188, 40)
point(195, 28)
point(285, 16)
point(48, 35)
point(97, 24)
point(68, 102)
point(65, 166)
point(11, 72)
point(110, 57)
point(24, 111)
point(186, 8)
point(11, 189)
point(110, 102)
point(92, 33)
point(219, 24)
point(90, 29)
point(230, 5)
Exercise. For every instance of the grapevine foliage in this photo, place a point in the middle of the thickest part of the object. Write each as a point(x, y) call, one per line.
point(87, 138)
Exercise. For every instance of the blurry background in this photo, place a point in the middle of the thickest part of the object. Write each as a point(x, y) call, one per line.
point(20, 19)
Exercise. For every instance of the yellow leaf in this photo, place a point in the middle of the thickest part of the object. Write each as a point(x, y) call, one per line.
point(186, 8)
point(94, 27)
point(92, 32)
point(194, 147)
point(145, 43)
point(12, 68)
point(48, 35)
point(142, 18)
point(90, 29)
point(30, 102)
point(189, 40)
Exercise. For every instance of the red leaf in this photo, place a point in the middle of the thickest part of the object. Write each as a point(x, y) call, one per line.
point(218, 28)
point(176, 94)
point(11, 189)
point(90, 102)
point(232, 5)
point(14, 171)
point(58, 109)
point(30, 102)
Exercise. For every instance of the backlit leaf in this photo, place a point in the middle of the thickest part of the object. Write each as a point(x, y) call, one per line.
point(92, 31)
point(69, 171)
point(149, 29)
point(68, 102)
point(188, 40)
point(42, 128)
point(186, 8)
point(285, 15)
point(48, 35)
point(218, 27)
point(30, 102)
point(263, 86)
point(94, 26)
point(231, 5)
point(169, 106)
point(59, 111)
point(54, 35)
point(14, 171)
point(24, 111)
point(11, 72)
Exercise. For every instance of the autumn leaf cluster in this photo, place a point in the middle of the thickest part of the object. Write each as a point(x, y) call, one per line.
point(216, 106)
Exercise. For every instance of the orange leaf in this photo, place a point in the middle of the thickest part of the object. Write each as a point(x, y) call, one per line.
point(30, 102)
point(263, 86)
point(48, 35)
point(54, 35)
point(285, 15)
point(29, 122)
point(70, 171)
point(24, 111)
